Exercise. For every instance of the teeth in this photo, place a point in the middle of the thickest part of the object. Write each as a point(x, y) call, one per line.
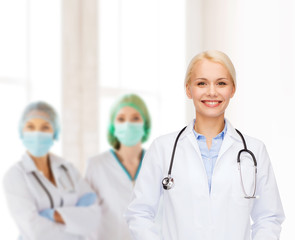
point(212, 103)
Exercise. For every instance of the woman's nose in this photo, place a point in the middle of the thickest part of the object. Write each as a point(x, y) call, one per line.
point(212, 90)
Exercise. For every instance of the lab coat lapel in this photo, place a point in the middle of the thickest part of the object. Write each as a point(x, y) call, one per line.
point(230, 138)
point(188, 132)
point(226, 144)
point(28, 164)
point(194, 142)
point(198, 158)
point(55, 162)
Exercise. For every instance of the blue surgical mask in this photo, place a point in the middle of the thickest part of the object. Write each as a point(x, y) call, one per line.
point(129, 134)
point(37, 143)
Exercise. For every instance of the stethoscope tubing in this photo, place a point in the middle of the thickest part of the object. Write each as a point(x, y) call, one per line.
point(245, 150)
point(240, 170)
point(173, 152)
point(46, 189)
point(168, 181)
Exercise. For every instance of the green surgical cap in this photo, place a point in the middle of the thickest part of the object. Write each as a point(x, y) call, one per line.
point(42, 110)
point(134, 101)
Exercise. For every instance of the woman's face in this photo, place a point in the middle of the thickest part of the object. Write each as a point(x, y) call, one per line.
point(128, 114)
point(38, 124)
point(211, 88)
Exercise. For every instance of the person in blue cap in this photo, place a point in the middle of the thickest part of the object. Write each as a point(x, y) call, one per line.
point(113, 173)
point(46, 196)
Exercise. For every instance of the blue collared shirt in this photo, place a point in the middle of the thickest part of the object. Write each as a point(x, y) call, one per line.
point(209, 156)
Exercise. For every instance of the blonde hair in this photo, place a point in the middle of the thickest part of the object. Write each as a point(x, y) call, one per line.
point(214, 56)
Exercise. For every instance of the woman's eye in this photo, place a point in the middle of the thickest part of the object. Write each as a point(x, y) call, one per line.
point(120, 119)
point(45, 128)
point(201, 83)
point(222, 83)
point(135, 119)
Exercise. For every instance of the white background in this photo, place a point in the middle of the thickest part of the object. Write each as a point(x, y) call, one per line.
point(144, 47)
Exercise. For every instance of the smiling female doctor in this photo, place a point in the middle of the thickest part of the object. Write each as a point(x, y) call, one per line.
point(45, 194)
point(207, 195)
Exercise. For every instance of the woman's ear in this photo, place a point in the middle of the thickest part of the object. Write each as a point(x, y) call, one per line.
point(188, 91)
point(233, 92)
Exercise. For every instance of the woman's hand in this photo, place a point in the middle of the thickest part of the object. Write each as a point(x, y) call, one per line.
point(52, 215)
point(86, 200)
point(47, 213)
point(58, 218)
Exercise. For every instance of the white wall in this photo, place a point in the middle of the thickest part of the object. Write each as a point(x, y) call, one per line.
point(195, 25)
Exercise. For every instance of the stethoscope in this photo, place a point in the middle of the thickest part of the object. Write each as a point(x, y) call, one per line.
point(47, 191)
point(168, 182)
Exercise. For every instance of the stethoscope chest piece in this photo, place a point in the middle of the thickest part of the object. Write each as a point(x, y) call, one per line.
point(168, 183)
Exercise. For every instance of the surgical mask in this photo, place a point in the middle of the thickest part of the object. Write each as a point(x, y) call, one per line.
point(37, 143)
point(129, 134)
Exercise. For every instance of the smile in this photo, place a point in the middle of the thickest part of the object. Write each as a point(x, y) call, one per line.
point(211, 103)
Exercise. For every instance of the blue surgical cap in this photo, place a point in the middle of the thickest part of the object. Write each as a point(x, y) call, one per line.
point(42, 110)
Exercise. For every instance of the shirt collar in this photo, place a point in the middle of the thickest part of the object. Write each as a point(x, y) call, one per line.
point(230, 130)
point(219, 136)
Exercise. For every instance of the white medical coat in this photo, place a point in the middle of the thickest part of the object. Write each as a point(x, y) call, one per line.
point(114, 190)
point(26, 198)
point(189, 210)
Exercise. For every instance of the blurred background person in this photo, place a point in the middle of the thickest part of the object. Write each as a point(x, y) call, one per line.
point(45, 194)
point(113, 173)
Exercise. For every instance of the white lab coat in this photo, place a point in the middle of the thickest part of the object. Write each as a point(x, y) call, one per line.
point(114, 190)
point(26, 198)
point(190, 211)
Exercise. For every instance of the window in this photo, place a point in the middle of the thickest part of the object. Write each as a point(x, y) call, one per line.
point(142, 50)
